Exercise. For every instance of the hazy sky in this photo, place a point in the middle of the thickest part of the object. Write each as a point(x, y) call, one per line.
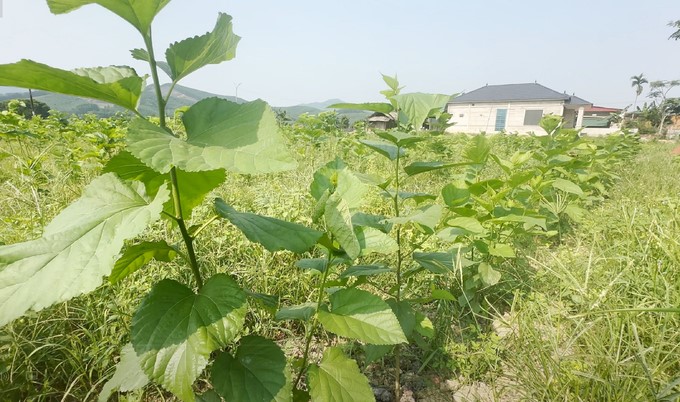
point(301, 51)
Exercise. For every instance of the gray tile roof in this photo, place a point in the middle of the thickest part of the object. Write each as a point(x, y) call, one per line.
point(517, 92)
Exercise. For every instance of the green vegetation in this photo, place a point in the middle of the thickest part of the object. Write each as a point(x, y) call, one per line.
point(330, 265)
point(26, 108)
point(600, 322)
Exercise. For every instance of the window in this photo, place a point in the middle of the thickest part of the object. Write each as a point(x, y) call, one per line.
point(532, 117)
point(501, 115)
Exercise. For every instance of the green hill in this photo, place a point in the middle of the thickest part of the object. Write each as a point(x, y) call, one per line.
point(181, 96)
point(317, 107)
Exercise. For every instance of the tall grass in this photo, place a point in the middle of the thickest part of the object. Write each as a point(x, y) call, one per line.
point(601, 323)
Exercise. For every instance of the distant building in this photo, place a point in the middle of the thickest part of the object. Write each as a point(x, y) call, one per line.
point(515, 108)
point(597, 120)
point(382, 121)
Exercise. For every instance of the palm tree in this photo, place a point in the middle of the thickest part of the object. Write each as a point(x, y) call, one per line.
point(675, 24)
point(637, 81)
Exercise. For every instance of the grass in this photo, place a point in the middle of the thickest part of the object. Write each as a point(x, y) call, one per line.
point(563, 344)
point(589, 330)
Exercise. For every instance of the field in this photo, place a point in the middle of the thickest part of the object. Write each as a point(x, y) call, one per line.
point(519, 268)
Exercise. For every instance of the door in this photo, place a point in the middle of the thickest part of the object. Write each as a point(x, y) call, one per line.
point(501, 114)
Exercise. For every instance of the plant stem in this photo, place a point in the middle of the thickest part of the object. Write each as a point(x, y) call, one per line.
point(397, 349)
point(315, 323)
point(156, 81)
point(188, 240)
point(205, 225)
point(179, 217)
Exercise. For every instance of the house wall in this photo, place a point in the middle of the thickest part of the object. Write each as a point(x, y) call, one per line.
point(570, 116)
point(481, 117)
point(600, 131)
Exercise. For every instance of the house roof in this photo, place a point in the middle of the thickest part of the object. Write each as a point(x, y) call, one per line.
point(377, 116)
point(595, 109)
point(517, 93)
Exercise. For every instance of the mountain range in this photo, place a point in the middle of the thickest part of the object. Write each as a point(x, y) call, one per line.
point(181, 96)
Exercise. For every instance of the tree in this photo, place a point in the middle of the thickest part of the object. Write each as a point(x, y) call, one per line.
point(637, 82)
point(675, 24)
point(85, 108)
point(659, 92)
point(23, 108)
point(673, 106)
point(282, 117)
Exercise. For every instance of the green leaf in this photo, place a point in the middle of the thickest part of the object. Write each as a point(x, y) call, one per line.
point(422, 167)
point(427, 216)
point(455, 194)
point(118, 85)
point(502, 250)
point(391, 82)
point(337, 379)
point(364, 270)
point(139, 255)
point(143, 55)
point(128, 376)
point(470, 225)
point(270, 302)
point(419, 106)
point(550, 123)
point(393, 90)
point(335, 178)
point(489, 275)
point(441, 294)
point(138, 13)
point(301, 395)
point(384, 108)
point(214, 47)
point(77, 249)
point(424, 326)
point(193, 186)
point(302, 312)
point(209, 396)
point(317, 264)
point(357, 314)
point(256, 373)
point(405, 314)
point(373, 221)
point(478, 150)
point(373, 353)
point(528, 221)
point(385, 149)
point(520, 178)
point(417, 197)
point(568, 187)
point(437, 263)
point(483, 186)
point(175, 330)
point(273, 234)
point(399, 138)
point(507, 166)
point(374, 241)
point(339, 223)
point(481, 245)
point(241, 138)
point(320, 206)
point(575, 212)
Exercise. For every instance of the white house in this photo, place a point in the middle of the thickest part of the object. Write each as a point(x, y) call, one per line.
point(513, 108)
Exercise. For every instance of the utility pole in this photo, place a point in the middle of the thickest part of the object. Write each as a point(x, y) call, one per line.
point(30, 96)
point(236, 91)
